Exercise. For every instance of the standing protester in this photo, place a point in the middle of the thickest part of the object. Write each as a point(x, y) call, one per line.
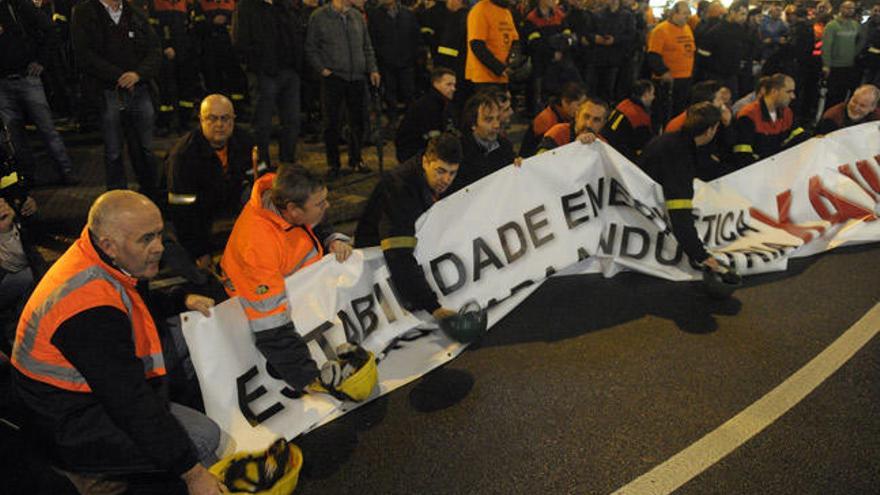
point(444, 27)
point(338, 47)
point(209, 173)
point(119, 54)
point(394, 31)
point(485, 150)
point(808, 66)
point(89, 369)
point(861, 108)
point(389, 218)
point(766, 126)
point(219, 63)
point(279, 231)
point(727, 46)
point(542, 26)
point(773, 32)
point(629, 127)
point(178, 72)
point(614, 31)
point(841, 42)
point(269, 38)
point(671, 60)
point(27, 43)
point(561, 109)
point(429, 116)
point(493, 44)
point(671, 160)
point(871, 51)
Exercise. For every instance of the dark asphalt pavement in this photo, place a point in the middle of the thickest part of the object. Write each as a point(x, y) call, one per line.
point(591, 382)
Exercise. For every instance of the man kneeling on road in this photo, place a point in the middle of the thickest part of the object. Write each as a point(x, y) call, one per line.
point(671, 160)
point(278, 232)
point(88, 361)
point(391, 212)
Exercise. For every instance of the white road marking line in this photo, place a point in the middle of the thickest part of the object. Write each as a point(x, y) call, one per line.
point(690, 462)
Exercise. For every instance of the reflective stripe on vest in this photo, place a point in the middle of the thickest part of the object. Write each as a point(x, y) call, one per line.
point(445, 50)
point(24, 356)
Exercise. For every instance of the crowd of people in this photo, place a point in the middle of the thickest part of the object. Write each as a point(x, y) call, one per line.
point(691, 94)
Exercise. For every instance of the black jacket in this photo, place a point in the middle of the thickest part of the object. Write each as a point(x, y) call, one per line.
point(728, 45)
point(429, 115)
point(199, 189)
point(445, 33)
point(622, 26)
point(389, 220)
point(269, 37)
point(671, 160)
point(28, 36)
point(476, 163)
point(395, 39)
point(104, 50)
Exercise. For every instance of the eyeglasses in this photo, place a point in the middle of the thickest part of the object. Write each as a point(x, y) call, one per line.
point(223, 119)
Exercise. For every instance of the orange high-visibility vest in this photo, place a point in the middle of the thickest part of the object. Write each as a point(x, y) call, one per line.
point(212, 5)
point(170, 6)
point(78, 281)
point(263, 249)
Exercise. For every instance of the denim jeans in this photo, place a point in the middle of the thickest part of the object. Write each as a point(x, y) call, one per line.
point(279, 91)
point(334, 92)
point(21, 97)
point(128, 115)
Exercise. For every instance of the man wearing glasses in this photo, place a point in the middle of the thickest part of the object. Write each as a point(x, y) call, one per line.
point(209, 173)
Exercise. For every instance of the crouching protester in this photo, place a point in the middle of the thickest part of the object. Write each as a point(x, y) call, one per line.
point(89, 372)
point(671, 160)
point(280, 231)
point(391, 212)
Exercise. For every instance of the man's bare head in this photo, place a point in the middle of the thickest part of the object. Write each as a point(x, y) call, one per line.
point(863, 101)
point(217, 118)
point(127, 227)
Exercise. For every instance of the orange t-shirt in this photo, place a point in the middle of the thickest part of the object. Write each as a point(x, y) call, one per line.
point(223, 155)
point(676, 46)
point(494, 25)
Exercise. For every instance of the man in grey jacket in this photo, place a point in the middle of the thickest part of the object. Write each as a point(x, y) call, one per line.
point(338, 47)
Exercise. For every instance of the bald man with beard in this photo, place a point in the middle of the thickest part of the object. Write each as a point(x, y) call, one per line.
point(89, 369)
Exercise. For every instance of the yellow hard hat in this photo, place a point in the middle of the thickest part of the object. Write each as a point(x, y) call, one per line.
point(244, 472)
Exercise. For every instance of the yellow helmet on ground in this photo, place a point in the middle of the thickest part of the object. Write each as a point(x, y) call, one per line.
point(274, 471)
point(352, 377)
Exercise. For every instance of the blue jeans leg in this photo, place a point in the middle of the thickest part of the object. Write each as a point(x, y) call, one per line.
point(268, 88)
point(111, 128)
point(12, 114)
point(140, 118)
point(34, 99)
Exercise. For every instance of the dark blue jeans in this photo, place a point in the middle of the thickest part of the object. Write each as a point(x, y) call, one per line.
point(21, 97)
point(280, 91)
point(127, 117)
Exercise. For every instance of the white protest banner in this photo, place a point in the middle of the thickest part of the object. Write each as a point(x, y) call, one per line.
point(577, 209)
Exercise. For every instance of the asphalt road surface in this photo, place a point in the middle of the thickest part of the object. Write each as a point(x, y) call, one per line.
point(591, 383)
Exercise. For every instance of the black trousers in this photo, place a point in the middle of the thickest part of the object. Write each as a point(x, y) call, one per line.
point(334, 92)
point(841, 80)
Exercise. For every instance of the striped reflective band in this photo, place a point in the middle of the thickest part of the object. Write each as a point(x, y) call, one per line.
point(269, 322)
point(445, 50)
point(567, 32)
point(743, 148)
point(266, 305)
point(679, 204)
point(873, 50)
point(705, 53)
point(398, 243)
point(311, 254)
point(237, 97)
point(154, 21)
point(58, 17)
point(8, 180)
point(181, 199)
point(166, 108)
point(427, 30)
point(186, 104)
point(616, 122)
point(795, 133)
point(23, 352)
point(199, 18)
point(534, 36)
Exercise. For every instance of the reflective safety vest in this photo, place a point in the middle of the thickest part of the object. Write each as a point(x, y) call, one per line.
point(78, 281)
point(263, 249)
point(170, 6)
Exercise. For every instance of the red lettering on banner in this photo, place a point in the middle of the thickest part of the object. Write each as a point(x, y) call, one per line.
point(846, 209)
point(869, 175)
point(783, 206)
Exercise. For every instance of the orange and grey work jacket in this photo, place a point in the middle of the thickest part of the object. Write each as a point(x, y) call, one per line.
point(263, 249)
point(78, 281)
